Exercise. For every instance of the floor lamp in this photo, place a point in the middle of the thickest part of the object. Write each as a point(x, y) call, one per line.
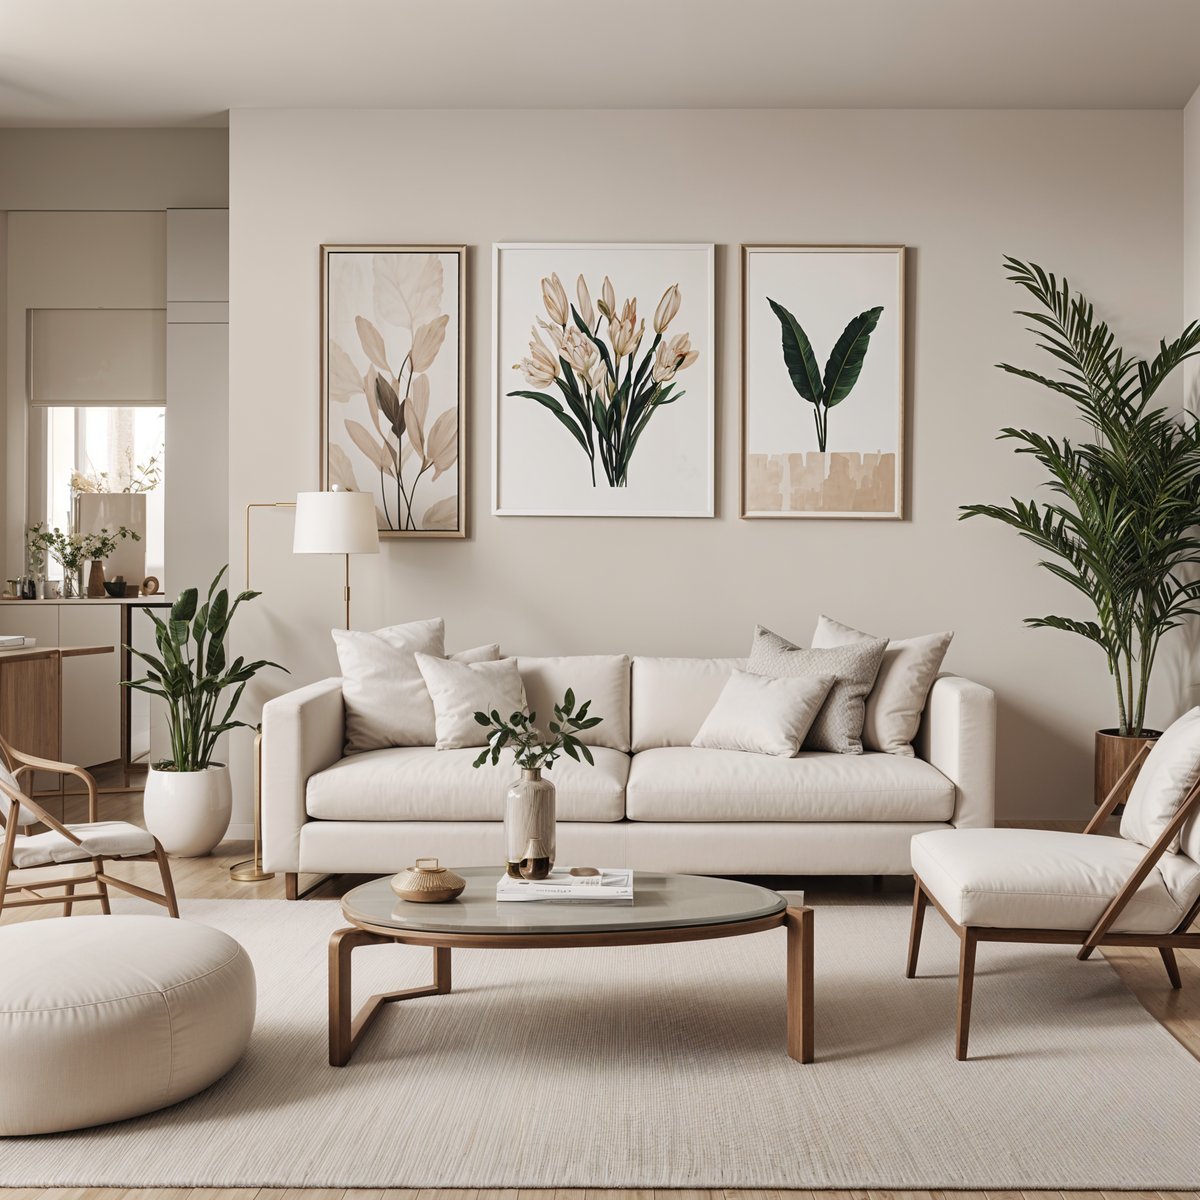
point(333, 522)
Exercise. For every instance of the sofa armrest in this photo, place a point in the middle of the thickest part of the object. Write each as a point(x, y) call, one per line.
point(302, 733)
point(958, 736)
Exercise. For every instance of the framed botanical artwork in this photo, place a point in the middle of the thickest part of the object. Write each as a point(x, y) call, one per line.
point(393, 420)
point(603, 380)
point(823, 381)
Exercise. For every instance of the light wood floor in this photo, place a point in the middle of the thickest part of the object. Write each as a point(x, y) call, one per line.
point(208, 878)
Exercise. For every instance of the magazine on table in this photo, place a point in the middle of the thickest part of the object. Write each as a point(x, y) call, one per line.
point(610, 885)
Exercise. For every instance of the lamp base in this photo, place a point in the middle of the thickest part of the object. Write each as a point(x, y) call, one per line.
point(250, 871)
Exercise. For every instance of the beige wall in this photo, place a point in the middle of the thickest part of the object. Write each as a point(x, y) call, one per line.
point(959, 188)
point(1191, 235)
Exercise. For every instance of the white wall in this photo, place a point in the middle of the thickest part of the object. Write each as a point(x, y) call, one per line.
point(959, 188)
point(1191, 236)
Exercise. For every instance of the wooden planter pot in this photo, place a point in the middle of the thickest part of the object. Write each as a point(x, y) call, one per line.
point(1113, 754)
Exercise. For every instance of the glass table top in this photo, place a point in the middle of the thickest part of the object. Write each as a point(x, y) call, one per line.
point(659, 902)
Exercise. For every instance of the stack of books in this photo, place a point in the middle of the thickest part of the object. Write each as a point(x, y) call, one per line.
point(611, 886)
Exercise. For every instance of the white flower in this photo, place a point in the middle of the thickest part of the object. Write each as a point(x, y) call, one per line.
point(624, 332)
point(555, 333)
point(608, 300)
point(541, 367)
point(584, 297)
point(555, 300)
point(668, 306)
point(673, 356)
point(578, 350)
point(598, 375)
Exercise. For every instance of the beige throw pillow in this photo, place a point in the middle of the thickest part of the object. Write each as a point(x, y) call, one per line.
point(760, 714)
point(907, 672)
point(838, 726)
point(460, 690)
point(1168, 773)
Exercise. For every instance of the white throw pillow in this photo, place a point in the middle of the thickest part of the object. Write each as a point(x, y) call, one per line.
point(460, 690)
point(24, 817)
point(907, 672)
point(1168, 773)
point(838, 727)
point(764, 715)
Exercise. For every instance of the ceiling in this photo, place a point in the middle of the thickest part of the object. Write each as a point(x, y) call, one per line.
point(178, 62)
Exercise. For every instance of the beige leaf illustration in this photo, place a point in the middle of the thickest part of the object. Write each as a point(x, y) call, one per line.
point(372, 343)
point(375, 452)
point(406, 455)
point(441, 447)
point(341, 469)
point(418, 396)
point(372, 403)
point(413, 427)
point(344, 379)
point(442, 515)
point(408, 288)
point(427, 341)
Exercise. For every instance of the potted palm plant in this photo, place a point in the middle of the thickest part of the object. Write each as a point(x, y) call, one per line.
point(1119, 526)
point(188, 798)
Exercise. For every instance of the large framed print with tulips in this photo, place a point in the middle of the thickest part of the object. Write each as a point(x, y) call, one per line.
point(823, 381)
point(603, 380)
point(393, 421)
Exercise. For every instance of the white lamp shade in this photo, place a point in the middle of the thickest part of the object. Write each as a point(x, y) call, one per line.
point(335, 523)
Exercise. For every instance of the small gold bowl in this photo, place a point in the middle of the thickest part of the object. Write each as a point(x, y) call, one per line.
point(427, 882)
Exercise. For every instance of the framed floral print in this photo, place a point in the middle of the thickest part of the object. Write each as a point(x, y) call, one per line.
point(393, 420)
point(823, 381)
point(603, 380)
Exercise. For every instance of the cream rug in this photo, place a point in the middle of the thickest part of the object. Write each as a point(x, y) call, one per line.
point(664, 1067)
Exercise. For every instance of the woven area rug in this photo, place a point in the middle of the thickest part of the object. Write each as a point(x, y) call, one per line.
point(665, 1067)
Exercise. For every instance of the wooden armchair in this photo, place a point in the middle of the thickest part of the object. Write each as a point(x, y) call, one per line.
point(1086, 889)
point(94, 841)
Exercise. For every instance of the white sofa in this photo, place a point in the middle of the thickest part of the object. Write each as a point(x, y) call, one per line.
point(651, 801)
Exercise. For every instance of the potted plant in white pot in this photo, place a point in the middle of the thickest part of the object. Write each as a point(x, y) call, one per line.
point(188, 798)
point(1120, 527)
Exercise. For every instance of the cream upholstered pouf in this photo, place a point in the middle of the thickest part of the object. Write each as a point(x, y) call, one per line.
point(103, 1018)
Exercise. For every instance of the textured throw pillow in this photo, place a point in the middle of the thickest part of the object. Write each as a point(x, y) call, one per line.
point(839, 724)
point(460, 690)
point(907, 672)
point(764, 715)
point(1168, 773)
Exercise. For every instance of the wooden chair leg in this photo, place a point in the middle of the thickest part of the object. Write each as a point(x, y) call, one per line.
point(68, 898)
point(164, 869)
point(920, 903)
point(966, 988)
point(101, 886)
point(1168, 957)
point(6, 856)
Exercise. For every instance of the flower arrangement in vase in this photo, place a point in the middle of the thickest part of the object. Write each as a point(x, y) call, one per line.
point(72, 550)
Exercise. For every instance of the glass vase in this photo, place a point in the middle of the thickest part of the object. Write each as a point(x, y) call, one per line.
point(529, 845)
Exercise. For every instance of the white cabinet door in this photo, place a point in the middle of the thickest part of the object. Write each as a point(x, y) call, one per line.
point(91, 703)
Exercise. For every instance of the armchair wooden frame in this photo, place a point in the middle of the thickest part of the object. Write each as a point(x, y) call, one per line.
point(1099, 935)
point(23, 895)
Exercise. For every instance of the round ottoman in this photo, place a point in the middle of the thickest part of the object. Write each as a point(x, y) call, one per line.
point(103, 1018)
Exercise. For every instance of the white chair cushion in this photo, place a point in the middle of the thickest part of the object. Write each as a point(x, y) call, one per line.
point(423, 784)
point(1169, 772)
point(102, 839)
point(104, 1018)
point(25, 818)
point(756, 714)
point(601, 678)
point(683, 783)
point(670, 698)
point(1044, 879)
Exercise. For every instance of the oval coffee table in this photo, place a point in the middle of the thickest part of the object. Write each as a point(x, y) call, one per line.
point(666, 908)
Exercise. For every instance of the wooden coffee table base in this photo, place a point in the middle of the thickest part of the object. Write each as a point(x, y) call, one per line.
point(346, 1029)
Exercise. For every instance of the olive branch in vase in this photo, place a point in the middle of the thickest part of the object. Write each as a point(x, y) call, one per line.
point(608, 397)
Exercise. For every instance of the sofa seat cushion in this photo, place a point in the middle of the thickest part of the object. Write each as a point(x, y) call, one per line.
point(419, 783)
point(685, 783)
point(1046, 879)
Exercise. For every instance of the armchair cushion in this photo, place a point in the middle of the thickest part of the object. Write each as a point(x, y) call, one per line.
point(25, 818)
point(102, 839)
point(1044, 879)
point(1168, 774)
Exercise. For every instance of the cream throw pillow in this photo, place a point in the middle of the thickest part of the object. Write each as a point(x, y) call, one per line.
point(838, 727)
point(1168, 773)
point(763, 715)
point(907, 672)
point(460, 690)
point(24, 817)
point(387, 702)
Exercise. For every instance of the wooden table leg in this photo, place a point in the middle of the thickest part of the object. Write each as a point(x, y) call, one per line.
point(346, 1029)
point(801, 1024)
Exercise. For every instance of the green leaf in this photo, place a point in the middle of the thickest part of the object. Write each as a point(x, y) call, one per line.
point(798, 355)
point(482, 718)
point(846, 361)
point(587, 754)
point(557, 409)
point(184, 608)
point(568, 702)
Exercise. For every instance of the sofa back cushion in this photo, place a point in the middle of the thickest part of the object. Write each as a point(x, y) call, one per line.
point(601, 678)
point(672, 697)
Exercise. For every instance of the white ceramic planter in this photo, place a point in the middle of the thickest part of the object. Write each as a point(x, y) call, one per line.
point(188, 811)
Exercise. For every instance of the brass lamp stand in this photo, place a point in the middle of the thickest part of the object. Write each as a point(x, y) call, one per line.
point(251, 870)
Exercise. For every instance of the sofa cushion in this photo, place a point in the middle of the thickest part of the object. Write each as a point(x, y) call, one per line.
point(1167, 776)
point(460, 690)
point(760, 715)
point(689, 784)
point(1047, 879)
point(671, 697)
point(601, 678)
point(419, 783)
